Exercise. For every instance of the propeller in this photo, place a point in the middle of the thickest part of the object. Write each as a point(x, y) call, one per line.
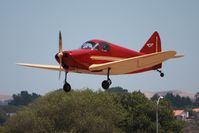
point(60, 53)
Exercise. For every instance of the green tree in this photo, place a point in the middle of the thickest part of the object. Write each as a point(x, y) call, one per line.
point(4, 112)
point(196, 102)
point(84, 112)
point(177, 101)
point(24, 98)
point(141, 116)
point(88, 112)
point(3, 116)
point(155, 97)
point(117, 89)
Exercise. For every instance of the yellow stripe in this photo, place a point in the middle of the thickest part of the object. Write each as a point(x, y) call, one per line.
point(106, 58)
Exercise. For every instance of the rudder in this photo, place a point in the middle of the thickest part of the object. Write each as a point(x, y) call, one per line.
point(152, 45)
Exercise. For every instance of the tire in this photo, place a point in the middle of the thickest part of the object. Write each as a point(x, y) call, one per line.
point(66, 87)
point(161, 74)
point(105, 84)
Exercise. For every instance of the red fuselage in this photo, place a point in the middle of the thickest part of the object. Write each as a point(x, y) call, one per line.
point(96, 52)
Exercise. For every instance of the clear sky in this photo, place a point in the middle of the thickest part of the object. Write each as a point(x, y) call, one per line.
point(29, 33)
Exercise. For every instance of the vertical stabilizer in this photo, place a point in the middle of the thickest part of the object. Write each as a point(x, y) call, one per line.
point(152, 45)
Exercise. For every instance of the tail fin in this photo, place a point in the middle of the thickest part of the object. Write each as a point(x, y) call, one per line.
point(152, 45)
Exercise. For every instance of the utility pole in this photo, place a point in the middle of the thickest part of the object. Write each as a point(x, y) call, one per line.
point(160, 97)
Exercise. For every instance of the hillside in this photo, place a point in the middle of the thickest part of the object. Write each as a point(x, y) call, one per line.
point(5, 97)
point(149, 94)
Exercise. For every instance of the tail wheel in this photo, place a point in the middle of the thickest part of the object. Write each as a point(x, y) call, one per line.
point(161, 74)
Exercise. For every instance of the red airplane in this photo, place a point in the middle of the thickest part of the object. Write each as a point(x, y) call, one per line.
point(104, 58)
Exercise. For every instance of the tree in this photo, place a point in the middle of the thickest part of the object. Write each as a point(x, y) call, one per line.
point(4, 112)
point(177, 101)
point(197, 95)
point(117, 89)
point(155, 97)
point(24, 98)
point(141, 114)
point(196, 102)
point(3, 116)
point(79, 111)
point(87, 112)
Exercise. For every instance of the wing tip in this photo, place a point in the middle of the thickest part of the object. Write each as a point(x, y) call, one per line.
point(178, 56)
point(19, 64)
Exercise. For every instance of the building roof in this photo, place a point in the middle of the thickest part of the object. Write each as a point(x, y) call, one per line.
point(195, 109)
point(178, 112)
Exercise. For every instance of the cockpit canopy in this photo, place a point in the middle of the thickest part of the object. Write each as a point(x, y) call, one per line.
point(103, 46)
point(89, 45)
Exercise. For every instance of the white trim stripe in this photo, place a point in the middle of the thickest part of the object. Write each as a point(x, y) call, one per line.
point(106, 58)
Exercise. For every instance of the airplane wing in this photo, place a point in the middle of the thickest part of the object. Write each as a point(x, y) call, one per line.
point(132, 64)
point(48, 67)
point(178, 56)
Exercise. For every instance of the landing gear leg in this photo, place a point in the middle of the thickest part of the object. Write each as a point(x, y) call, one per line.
point(161, 73)
point(108, 82)
point(66, 86)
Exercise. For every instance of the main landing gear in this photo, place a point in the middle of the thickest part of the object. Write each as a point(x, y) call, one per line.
point(161, 73)
point(107, 83)
point(66, 86)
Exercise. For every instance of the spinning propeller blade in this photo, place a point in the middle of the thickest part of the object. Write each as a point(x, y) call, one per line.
point(60, 53)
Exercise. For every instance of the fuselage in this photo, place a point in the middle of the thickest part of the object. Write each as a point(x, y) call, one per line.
point(96, 52)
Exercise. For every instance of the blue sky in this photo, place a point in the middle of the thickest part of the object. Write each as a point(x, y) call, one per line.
point(29, 33)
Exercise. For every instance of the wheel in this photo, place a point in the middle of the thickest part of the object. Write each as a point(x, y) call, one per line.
point(66, 87)
point(106, 84)
point(161, 74)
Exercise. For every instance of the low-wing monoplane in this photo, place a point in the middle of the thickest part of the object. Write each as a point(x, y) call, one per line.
point(105, 58)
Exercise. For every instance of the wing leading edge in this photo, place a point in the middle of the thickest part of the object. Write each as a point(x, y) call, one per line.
point(48, 67)
point(128, 65)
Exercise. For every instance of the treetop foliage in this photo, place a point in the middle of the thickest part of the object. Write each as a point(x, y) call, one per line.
point(87, 112)
point(179, 102)
point(23, 98)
